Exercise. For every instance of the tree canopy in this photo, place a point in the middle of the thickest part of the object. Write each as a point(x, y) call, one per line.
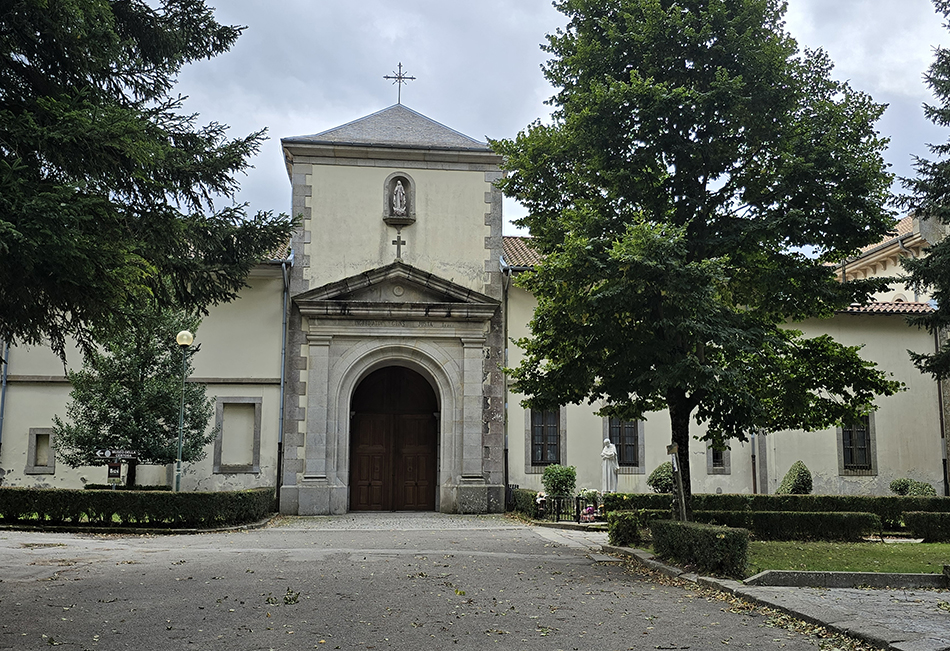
point(698, 181)
point(107, 187)
point(928, 198)
point(127, 396)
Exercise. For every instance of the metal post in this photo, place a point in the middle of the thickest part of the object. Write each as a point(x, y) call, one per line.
point(184, 339)
point(181, 419)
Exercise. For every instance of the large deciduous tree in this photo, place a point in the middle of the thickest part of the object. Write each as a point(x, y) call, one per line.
point(128, 394)
point(107, 188)
point(929, 199)
point(698, 180)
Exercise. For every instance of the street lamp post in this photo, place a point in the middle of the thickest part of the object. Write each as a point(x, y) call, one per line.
point(184, 340)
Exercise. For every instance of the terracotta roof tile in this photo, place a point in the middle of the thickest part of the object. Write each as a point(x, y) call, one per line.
point(518, 252)
point(899, 307)
point(904, 227)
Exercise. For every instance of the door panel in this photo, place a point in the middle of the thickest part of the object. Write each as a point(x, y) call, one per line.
point(414, 488)
point(370, 483)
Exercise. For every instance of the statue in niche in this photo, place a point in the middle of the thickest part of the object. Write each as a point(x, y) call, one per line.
point(610, 467)
point(399, 199)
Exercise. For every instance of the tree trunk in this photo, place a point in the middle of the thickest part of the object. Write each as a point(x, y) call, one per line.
point(130, 475)
point(680, 409)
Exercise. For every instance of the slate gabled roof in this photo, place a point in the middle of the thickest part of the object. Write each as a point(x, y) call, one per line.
point(396, 126)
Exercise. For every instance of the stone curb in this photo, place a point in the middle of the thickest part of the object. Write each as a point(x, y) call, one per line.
point(574, 526)
point(878, 636)
point(151, 531)
point(796, 579)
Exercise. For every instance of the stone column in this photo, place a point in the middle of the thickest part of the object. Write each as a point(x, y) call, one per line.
point(472, 491)
point(315, 446)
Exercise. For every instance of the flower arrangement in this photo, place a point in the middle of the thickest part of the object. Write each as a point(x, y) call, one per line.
point(591, 495)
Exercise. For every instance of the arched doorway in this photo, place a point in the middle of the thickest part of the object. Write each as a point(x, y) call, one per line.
point(393, 442)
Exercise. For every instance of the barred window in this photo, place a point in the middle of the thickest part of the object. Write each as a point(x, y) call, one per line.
point(545, 437)
point(856, 444)
point(624, 434)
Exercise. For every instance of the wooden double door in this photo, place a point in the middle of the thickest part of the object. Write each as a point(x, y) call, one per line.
point(394, 441)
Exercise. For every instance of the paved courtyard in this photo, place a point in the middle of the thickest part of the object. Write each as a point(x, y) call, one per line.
point(394, 581)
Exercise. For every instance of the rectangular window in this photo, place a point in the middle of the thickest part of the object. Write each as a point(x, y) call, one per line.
point(626, 436)
point(40, 455)
point(237, 435)
point(856, 444)
point(237, 448)
point(718, 462)
point(857, 454)
point(545, 437)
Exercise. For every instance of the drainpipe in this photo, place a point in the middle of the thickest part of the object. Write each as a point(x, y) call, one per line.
point(505, 282)
point(5, 361)
point(284, 272)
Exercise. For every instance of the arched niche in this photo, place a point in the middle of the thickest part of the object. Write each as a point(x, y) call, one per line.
point(399, 200)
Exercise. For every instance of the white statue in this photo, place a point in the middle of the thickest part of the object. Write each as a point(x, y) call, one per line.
point(610, 466)
point(399, 199)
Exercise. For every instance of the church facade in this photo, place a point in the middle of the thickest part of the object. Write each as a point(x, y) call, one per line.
point(396, 396)
point(362, 369)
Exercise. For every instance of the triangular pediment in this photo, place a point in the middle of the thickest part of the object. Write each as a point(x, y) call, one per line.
point(397, 290)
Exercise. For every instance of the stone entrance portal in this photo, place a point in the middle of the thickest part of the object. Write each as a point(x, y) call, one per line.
point(394, 440)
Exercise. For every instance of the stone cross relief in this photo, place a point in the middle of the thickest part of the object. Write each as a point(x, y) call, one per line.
point(398, 242)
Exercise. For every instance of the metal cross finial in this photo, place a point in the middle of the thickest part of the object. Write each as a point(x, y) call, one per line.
point(399, 79)
point(399, 242)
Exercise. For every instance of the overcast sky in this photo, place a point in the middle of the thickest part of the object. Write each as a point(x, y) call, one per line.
point(304, 66)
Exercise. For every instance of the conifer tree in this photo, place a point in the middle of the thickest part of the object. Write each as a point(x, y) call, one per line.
point(107, 184)
point(929, 199)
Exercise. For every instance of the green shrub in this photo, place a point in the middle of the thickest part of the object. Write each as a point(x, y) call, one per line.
point(623, 528)
point(797, 525)
point(637, 501)
point(135, 508)
point(905, 486)
point(559, 481)
point(932, 527)
point(797, 481)
point(661, 479)
point(525, 501)
point(717, 550)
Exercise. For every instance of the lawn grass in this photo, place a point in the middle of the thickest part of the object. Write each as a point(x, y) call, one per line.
point(902, 557)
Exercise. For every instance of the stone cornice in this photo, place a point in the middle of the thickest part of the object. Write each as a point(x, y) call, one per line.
point(385, 311)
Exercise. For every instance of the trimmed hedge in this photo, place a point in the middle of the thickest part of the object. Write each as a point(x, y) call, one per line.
point(524, 502)
point(135, 508)
point(717, 550)
point(932, 527)
point(637, 501)
point(890, 508)
point(137, 487)
point(623, 528)
point(797, 525)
